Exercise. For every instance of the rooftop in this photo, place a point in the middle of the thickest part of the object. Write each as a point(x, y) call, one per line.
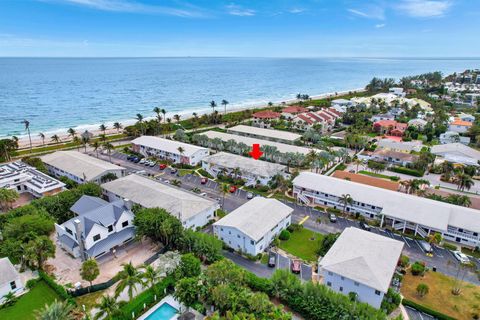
point(269, 133)
point(294, 109)
point(151, 194)
point(79, 164)
point(8, 272)
point(459, 122)
point(456, 149)
point(363, 179)
point(267, 114)
point(385, 153)
point(430, 213)
point(256, 217)
point(400, 145)
point(364, 257)
point(167, 145)
point(282, 147)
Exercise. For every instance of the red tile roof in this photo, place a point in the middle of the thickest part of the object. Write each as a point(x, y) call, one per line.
point(267, 114)
point(305, 118)
point(315, 117)
point(335, 112)
point(294, 109)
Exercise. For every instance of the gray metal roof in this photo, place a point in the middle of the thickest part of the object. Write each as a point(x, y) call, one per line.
point(364, 257)
point(268, 133)
point(256, 217)
point(112, 240)
point(456, 149)
point(69, 242)
point(86, 204)
point(8, 273)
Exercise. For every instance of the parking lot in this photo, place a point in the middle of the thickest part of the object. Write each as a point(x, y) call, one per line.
point(442, 259)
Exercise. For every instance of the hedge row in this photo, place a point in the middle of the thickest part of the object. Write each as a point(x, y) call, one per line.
point(427, 310)
point(59, 289)
point(410, 172)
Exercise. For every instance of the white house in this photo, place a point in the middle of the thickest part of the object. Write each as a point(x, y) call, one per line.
point(466, 117)
point(80, 167)
point(25, 179)
point(401, 211)
point(172, 150)
point(417, 123)
point(460, 126)
point(10, 280)
point(267, 134)
point(400, 146)
point(361, 262)
point(399, 92)
point(191, 209)
point(383, 116)
point(252, 227)
point(100, 225)
point(251, 170)
point(452, 137)
point(457, 153)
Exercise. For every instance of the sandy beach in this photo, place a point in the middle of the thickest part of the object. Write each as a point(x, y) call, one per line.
point(24, 142)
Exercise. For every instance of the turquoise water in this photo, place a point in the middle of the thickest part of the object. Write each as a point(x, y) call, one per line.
point(55, 93)
point(164, 312)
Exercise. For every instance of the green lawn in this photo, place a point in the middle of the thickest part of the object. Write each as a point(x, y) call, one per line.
point(303, 243)
point(33, 300)
point(378, 175)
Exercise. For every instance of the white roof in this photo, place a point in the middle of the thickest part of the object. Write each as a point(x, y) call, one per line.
point(256, 217)
point(247, 165)
point(8, 273)
point(15, 173)
point(167, 145)
point(407, 146)
point(79, 164)
point(269, 133)
point(455, 149)
point(429, 213)
point(364, 257)
point(282, 147)
point(151, 194)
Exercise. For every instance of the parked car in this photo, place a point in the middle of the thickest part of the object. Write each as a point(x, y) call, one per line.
point(130, 157)
point(203, 194)
point(463, 258)
point(364, 226)
point(272, 259)
point(232, 189)
point(295, 266)
point(142, 161)
point(162, 166)
point(425, 246)
point(204, 180)
point(136, 160)
point(249, 195)
point(173, 170)
point(153, 163)
point(332, 217)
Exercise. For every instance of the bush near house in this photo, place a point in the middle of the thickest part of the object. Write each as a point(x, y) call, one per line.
point(284, 235)
point(407, 171)
point(205, 173)
point(418, 268)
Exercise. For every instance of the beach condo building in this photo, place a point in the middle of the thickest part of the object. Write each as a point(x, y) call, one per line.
point(361, 262)
point(25, 179)
point(191, 209)
point(98, 228)
point(291, 111)
point(10, 280)
point(252, 171)
point(396, 210)
point(80, 167)
point(175, 151)
point(262, 119)
point(253, 226)
point(266, 134)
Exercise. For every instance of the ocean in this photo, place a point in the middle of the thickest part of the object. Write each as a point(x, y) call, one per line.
point(57, 93)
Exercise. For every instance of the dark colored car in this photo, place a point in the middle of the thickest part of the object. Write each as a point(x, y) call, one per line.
point(130, 158)
point(365, 226)
point(295, 266)
point(272, 259)
point(136, 160)
point(204, 180)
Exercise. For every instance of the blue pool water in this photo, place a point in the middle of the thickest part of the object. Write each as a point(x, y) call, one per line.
point(164, 312)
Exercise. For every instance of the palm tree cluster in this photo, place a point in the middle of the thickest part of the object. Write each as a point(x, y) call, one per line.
point(377, 84)
point(8, 148)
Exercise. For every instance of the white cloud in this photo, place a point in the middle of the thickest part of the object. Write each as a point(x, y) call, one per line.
point(296, 10)
point(236, 10)
point(424, 8)
point(131, 7)
point(370, 12)
point(380, 25)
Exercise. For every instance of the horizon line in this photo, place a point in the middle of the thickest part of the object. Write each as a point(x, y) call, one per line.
point(244, 57)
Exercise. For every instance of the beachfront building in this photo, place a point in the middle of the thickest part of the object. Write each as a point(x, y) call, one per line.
point(396, 210)
point(10, 280)
point(361, 262)
point(80, 167)
point(191, 209)
point(262, 119)
point(323, 119)
point(253, 226)
point(175, 151)
point(456, 153)
point(25, 179)
point(291, 111)
point(453, 137)
point(399, 92)
point(342, 105)
point(98, 228)
point(393, 157)
point(390, 127)
point(460, 126)
point(400, 146)
point(252, 171)
point(266, 134)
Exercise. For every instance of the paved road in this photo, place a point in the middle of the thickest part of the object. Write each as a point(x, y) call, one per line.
point(417, 315)
point(442, 259)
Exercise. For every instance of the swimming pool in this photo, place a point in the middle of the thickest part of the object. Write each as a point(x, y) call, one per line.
point(164, 312)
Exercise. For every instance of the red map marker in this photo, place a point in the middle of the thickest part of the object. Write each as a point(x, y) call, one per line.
point(256, 153)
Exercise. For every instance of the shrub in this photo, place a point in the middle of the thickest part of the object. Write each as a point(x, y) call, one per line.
point(449, 246)
point(418, 268)
point(391, 301)
point(333, 210)
point(60, 290)
point(422, 289)
point(31, 283)
point(258, 284)
point(284, 235)
point(294, 227)
point(404, 261)
point(410, 172)
point(205, 173)
point(394, 178)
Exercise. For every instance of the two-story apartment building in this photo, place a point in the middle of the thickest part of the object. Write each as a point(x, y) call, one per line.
point(175, 151)
point(361, 262)
point(267, 134)
point(252, 227)
point(262, 119)
point(396, 210)
point(98, 227)
point(80, 167)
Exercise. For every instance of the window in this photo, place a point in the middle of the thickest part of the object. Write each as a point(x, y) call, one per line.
point(252, 242)
point(356, 283)
point(343, 278)
point(96, 237)
point(377, 292)
point(13, 285)
point(341, 289)
point(330, 273)
point(124, 224)
point(110, 228)
point(329, 284)
point(69, 231)
point(238, 236)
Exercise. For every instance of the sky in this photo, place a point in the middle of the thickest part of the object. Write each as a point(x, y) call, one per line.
point(257, 28)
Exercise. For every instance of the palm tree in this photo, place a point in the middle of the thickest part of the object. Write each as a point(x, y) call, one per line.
point(72, 133)
point(213, 105)
point(109, 147)
point(176, 183)
point(164, 112)
point(150, 276)
point(27, 127)
point(42, 136)
point(346, 200)
point(108, 309)
point(176, 117)
point(76, 141)
point(181, 151)
point(55, 138)
point(464, 181)
point(95, 145)
point(157, 111)
point(58, 310)
point(118, 126)
point(130, 277)
point(103, 128)
point(85, 141)
point(224, 191)
point(224, 104)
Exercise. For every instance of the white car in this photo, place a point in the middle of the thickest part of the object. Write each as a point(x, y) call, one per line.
point(463, 258)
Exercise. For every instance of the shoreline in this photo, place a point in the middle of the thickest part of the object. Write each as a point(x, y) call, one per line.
point(24, 143)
